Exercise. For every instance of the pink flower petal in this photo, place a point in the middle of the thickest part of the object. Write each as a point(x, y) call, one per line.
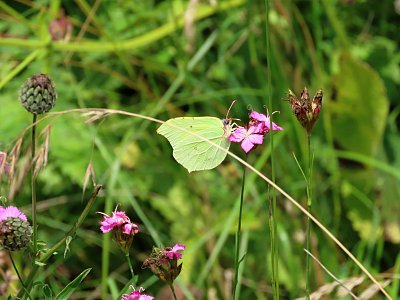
point(238, 135)
point(136, 295)
point(256, 139)
point(265, 119)
point(247, 145)
point(173, 253)
point(258, 116)
point(12, 212)
point(130, 229)
point(178, 247)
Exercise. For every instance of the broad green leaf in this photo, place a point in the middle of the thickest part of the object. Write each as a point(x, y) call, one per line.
point(360, 107)
point(72, 286)
point(187, 137)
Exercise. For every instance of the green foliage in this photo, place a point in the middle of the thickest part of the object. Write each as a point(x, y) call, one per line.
point(141, 56)
point(360, 99)
point(72, 286)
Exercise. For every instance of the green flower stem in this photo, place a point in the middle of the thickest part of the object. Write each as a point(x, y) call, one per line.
point(129, 263)
point(16, 70)
point(125, 45)
point(309, 201)
point(33, 188)
point(19, 275)
point(238, 232)
point(272, 199)
point(171, 286)
point(52, 250)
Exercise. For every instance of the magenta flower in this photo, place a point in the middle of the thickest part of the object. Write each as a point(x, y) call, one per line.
point(173, 253)
point(164, 262)
point(11, 212)
point(122, 227)
point(265, 120)
point(131, 229)
point(252, 134)
point(248, 136)
point(137, 295)
point(120, 221)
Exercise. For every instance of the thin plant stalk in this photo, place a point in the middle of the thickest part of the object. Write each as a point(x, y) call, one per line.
point(19, 275)
point(33, 188)
point(309, 201)
point(171, 286)
point(238, 233)
point(272, 198)
point(50, 252)
point(130, 264)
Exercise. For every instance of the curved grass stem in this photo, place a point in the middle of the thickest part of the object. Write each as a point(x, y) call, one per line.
point(99, 113)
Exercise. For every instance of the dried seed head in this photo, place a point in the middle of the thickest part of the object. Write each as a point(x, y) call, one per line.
point(305, 109)
point(15, 234)
point(37, 94)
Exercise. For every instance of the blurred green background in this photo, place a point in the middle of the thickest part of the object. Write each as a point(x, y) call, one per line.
point(174, 58)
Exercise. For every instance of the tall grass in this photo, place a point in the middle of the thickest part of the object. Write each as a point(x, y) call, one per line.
point(133, 58)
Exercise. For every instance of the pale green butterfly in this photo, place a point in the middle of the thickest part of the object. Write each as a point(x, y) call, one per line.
point(188, 144)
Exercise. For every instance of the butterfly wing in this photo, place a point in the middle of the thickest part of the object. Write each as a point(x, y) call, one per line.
point(187, 137)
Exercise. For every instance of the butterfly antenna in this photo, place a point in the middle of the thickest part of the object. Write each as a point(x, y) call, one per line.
point(230, 107)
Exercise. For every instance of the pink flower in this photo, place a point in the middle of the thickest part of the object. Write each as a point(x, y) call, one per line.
point(137, 295)
point(265, 120)
point(173, 253)
point(122, 227)
point(11, 212)
point(131, 229)
point(249, 136)
point(118, 219)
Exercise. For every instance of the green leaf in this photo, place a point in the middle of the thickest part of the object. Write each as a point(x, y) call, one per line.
point(188, 137)
point(360, 107)
point(48, 294)
point(72, 286)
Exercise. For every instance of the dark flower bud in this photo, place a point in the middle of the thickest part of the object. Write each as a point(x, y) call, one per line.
point(305, 109)
point(60, 29)
point(15, 231)
point(38, 95)
point(164, 263)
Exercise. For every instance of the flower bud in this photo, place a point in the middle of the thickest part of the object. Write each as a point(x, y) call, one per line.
point(60, 29)
point(305, 109)
point(15, 231)
point(37, 94)
point(164, 263)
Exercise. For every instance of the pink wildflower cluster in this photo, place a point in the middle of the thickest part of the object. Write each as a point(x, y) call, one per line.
point(122, 227)
point(137, 295)
point(164, 262)
point(118, 221)
point(11, 212)
point(252, 134)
